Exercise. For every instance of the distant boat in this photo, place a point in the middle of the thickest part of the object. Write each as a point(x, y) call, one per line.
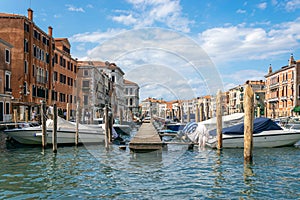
point(121, 129)
point(65, 134)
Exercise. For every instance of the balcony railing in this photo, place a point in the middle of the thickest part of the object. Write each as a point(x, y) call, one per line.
point(274, 99)
point(283, 98)
point(41, 79)
point(274, 85)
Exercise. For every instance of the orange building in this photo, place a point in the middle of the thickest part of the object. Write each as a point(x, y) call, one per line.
point(282, 90)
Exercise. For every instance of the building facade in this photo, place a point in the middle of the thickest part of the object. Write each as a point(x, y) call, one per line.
point(5, 81)
point(131, 95)
point(43, 69)
point(282, 90)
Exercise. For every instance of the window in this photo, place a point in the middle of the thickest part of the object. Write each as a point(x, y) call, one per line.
point(85, 84)
point(7, 81)
point(85, 100)
point(7, 56)
point(54, 95)
point(130, 101)
point(47, 76)
point(34, 50)
point(25, 67)
point(26, 27)
point(33, 70)
point(33, 90)
point(25, 88)
point(7, 108)
point(55, 76)
point(62, 97)
point(85, 72)
point(26, 46)
point(113, 79)
point(62, 78)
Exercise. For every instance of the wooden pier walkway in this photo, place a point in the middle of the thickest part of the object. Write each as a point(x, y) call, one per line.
point(146, 139)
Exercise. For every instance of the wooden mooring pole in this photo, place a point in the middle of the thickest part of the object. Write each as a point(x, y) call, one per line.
point(77, 124)
point(248, 124)
point(106, 121)
point(15, 117)
point(43, 118)
point(197, 113)
point(219, 119)
point(54, 132)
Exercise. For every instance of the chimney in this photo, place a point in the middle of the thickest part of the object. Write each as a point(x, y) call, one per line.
point(30, 14)
point(50, 31)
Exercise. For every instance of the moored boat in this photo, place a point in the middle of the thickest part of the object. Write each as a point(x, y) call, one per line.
point(266, 133)
point(65, 134)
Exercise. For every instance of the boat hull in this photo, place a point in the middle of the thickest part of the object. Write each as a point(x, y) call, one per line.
point(264, 139)
point(64, 137)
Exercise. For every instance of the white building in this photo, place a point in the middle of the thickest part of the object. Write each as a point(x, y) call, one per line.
point(131, 95)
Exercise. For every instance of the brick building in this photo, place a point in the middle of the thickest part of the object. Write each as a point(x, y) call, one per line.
point(5, 81)
point(42, 67)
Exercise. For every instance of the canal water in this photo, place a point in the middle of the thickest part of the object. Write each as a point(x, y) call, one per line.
point(91, 172)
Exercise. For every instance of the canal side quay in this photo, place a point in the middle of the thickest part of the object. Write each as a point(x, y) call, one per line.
point(146, 139)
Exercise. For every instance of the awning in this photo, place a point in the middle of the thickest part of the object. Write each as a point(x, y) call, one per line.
point(296, 109)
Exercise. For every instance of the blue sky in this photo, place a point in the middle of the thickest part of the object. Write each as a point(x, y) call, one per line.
point(175, 49)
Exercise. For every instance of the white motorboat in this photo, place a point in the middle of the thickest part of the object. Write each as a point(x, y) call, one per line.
point(266, 133)
point(65, 134)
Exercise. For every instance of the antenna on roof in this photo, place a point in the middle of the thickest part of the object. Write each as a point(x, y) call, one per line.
point(29, 3)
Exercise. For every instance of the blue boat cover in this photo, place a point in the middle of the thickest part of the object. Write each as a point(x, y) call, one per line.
point(259, 125)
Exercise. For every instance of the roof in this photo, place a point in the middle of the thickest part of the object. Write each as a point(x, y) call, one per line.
point(129, 82)
point(101, 64)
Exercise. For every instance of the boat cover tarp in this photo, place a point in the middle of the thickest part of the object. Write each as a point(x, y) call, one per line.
point(259, 125)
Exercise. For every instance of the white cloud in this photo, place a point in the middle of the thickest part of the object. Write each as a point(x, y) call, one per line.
point(262, 6)
point(237, 43)
point(95, 37)
point(240, 11)
point(292, 5)
point(146, 13)
point(125, 19)
point(74, 9)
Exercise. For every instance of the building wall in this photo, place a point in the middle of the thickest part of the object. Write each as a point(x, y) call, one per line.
point(280, 94)
point(5, 83)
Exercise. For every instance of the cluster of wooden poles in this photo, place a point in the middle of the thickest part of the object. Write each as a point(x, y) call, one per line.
point(108, 126)
point(248, 122)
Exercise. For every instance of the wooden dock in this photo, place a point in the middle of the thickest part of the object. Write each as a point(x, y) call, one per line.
point(146, 139)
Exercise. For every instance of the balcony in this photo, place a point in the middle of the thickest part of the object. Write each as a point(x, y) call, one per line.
point(274, 85)
point(274, 99)
point(283, 98)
